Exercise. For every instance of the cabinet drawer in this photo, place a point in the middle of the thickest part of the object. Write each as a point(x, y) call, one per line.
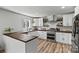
point(59, 37)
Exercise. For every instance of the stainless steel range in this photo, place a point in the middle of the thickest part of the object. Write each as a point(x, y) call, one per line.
point(51, 34)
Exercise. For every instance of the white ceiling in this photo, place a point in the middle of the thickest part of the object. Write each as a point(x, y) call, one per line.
point(39, 11)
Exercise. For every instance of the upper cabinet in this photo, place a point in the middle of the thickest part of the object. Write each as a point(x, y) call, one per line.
point(67, 19)
point(37, 21)
point(76, 10)
point(54, 18)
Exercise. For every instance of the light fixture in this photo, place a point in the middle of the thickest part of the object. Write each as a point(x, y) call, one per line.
point(63, 7)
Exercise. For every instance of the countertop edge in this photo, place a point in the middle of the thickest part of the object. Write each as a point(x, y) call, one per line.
point(22, 40)
point(55, 31)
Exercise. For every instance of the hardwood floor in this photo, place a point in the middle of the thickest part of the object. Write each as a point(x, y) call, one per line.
point(45, 46)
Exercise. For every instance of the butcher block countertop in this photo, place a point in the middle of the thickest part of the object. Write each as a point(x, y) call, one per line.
point(65, 31)
point(24, 37)
point(58, 31)
point(62, 31)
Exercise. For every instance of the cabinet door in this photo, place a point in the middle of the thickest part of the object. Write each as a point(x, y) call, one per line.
point(76, 10)
point(69, 38)
point(31, 46)
point(42, 34)
point(67, 20)
point(59, 37)
point(66, 38)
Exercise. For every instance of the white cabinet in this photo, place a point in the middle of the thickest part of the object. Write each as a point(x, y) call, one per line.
point(76, 10)
point(67, 37)
point(67, 20)
point(42, 34)
point(59, 37)
point(63, 37)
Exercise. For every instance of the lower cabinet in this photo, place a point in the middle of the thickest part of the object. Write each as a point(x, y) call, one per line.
point(42, 34)
point(59, 37)
point(64, 37)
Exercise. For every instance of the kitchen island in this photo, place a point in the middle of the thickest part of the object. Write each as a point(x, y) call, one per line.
point(20, 43)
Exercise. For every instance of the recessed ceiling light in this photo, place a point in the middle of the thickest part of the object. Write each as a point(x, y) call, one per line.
point(62, 7)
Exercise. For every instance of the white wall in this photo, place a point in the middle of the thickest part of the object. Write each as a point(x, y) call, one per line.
point(53, 25)
point(38, 22)
point(8, 19)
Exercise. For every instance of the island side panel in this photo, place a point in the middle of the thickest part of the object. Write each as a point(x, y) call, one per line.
point(31, 46)
point(13, 46)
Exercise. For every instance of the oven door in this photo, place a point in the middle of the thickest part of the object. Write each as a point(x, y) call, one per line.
point(51, 35)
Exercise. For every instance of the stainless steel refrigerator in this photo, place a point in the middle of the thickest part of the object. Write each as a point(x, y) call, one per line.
point(75, 35)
